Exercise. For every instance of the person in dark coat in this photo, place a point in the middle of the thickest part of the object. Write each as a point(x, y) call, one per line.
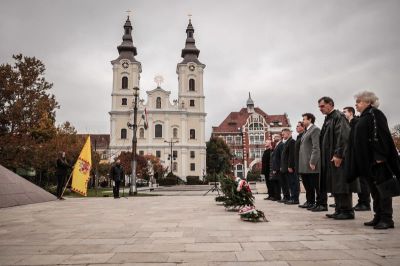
point(288, 166)
point(62, 167)
point(276, 166)
point(373, 156)
point(266, 167)
point(309, 162)
point(117, 174)
point(333, 144)
point(364, 199)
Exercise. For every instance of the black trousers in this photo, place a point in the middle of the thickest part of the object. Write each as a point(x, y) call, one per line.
point(275, 188)
point(284, 182)
point(344, 202)
point(310, 182)
point(364, 195)
point(322, 195)
point(116, 189)
point(60, 185)
point(294, 186)
point(382, 206)
point(269, 186)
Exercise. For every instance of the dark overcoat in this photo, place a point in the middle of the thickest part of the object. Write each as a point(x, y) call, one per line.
point(266, 163)
point(365, 148)
point(117, 173)
point(297, 152)
point(287, 160)
point(333, 142)
point(276, 157)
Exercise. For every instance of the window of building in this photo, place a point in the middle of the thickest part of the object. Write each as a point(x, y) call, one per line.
point(175, 154)
point(141, 153)
point(158, 154)
point(256, 153)
point(175, 133)
point(175, 167)
point(158, 131)
point(192, 134)
point(229, 139)
point(123, 133)
point(239, 170)
point(191, 85)
point(141, 133)
point(256, 138)
point(158, 103)
point(124, 101)
point(191, 103)
point(192, 167)
point(238, 140)
point(124, 82)
point(192, 154)
point(238, 154)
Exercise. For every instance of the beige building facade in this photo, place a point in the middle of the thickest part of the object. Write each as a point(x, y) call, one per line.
point(180, 122)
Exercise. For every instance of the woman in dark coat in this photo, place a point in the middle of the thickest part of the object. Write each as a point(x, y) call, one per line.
point(62, 168)
point(373, 155)
point(266, 167)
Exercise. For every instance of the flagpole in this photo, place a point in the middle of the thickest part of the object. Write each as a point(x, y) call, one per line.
point(65, 187)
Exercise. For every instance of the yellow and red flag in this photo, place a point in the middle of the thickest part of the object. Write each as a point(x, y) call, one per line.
point(81, 172)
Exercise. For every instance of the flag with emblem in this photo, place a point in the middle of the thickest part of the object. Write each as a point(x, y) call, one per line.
point(81, 172)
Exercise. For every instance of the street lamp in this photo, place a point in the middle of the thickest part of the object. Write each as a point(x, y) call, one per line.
point(170, 156)
point(132, 180)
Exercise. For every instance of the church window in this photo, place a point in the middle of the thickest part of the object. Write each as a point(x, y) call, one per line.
point(158, 154)
point(158, 103)
point(192, 167)
point(123, 133)
point(141, 133)
point(192, 154)
point(124, 82)
point(124, 101)
point(175, 133)
point(191, 85)
point(175, 167)
point(191, 102)
point(158, 131)
point(141, 153)
point(192, 134)
point(175, 154)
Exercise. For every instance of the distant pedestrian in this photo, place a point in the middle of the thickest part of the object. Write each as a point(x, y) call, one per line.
point(62, 167)
point(309, 163)
point(364, 199)
point(333, 144)
point(373, 156)
point(117, 174)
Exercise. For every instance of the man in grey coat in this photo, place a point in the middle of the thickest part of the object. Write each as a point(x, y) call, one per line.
point(333, 144)
point(309, 162)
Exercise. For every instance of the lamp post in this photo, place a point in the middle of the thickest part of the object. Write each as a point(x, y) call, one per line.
point(170, 156)
point(132, 187)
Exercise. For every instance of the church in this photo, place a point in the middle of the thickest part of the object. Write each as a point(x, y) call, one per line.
point(175, 131)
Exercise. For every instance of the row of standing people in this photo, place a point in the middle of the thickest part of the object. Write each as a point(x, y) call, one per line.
point(346, 155)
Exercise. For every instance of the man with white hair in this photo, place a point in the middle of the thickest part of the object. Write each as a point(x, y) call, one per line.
point(372, 155)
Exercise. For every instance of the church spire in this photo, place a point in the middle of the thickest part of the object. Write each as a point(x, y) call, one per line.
point(126, 49)
point(190, 53)
point(250, 104)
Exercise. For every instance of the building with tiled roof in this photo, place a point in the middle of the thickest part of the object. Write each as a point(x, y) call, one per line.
point(245, 132)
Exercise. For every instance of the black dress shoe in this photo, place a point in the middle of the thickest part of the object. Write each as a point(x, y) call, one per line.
point(304, 205)
point(311, 207)
point(362, 207)
point(292, 202)
point(373, 222)
point(283, 200)
point(384, 225)
point(274, 199)
point(332, 205)
point(344, 216)
point(320, 208)
point(332, 215)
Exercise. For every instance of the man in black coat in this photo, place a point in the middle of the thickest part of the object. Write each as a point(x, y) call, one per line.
point(62, 168)
point(373, 156)
point(288, 165)
point(266, 167)
point(117, 174)
point(276, 166)
point(333, 144)
point(364, 199)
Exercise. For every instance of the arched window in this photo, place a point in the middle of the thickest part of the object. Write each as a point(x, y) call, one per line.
point(175, 133)
point(141, 133)
point(191, 85)
point(158, 103)
point(158, 131)
point(124, 101)
point(123, 133)
point(124, 82)
point(192, 134)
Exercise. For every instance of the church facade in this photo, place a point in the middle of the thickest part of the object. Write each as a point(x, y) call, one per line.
point(176, 130)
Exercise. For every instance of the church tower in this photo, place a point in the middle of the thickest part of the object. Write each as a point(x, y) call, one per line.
point(126, 76)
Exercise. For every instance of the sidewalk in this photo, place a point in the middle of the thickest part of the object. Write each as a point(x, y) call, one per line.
point(187, 230)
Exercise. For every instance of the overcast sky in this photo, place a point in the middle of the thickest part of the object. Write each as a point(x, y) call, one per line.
point(286, 53)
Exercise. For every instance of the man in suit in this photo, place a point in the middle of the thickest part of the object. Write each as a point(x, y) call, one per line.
point(266, 167)
point(276, 166)
point(289, 177)
point(117, 175)
point(309, 157)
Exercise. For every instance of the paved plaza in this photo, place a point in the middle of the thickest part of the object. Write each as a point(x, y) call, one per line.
point(181, 229)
